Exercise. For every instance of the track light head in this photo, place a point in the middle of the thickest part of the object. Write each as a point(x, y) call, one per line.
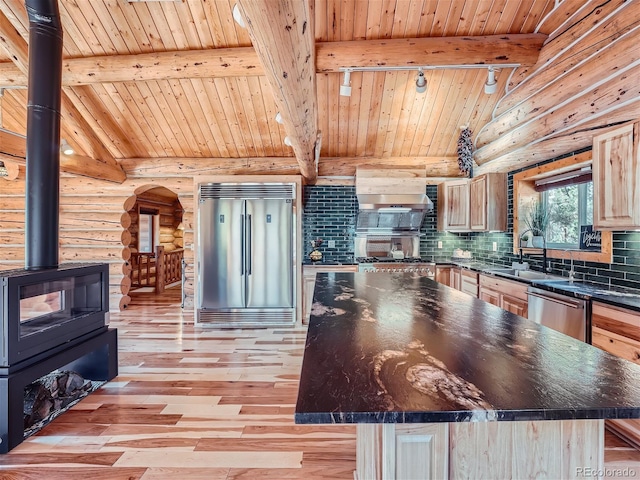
point(421, 82)
point(345, 88)
point(492, 85)
point(287, 142)
point(65, 148)
point(279, 118)
point(237, 16)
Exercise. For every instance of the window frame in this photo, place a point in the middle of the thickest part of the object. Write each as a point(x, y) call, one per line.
point(582, 213)
point(524, 192)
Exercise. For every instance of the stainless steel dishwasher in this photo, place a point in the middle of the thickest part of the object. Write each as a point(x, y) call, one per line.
point(565, 314)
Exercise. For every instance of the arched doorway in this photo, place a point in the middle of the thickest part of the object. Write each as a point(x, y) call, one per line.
point(153, 241)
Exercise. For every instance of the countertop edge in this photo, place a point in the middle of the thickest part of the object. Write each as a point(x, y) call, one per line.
point(465, 416)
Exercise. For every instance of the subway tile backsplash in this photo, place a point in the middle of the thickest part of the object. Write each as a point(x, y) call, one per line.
point(330, 213)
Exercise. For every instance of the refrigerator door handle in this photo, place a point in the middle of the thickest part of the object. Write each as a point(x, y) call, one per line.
point(249, 244)
point(242, 242)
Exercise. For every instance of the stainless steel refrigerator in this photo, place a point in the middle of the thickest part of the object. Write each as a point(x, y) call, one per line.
point(246, 254)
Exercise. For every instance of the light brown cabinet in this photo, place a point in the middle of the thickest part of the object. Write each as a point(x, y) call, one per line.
point(617, 331)
point(488, 203)
point(443, 275)
point(309, 281)
point(453, 205)
point(478, 205)
point(616, 178)
point(455, 278)
point(506, 294)
point(469, 282)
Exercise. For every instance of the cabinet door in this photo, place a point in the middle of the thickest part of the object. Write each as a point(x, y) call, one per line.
point(515, 305)
point(443, 275)
point(616, 178)
point(478, 203)
point(455, 279)
point(453, 205)
point(309, 282)
point(489, 296)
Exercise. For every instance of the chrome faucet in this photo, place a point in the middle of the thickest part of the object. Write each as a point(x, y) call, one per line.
point(572, 273)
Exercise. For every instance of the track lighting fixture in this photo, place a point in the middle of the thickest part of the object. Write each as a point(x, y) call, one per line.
point(491, 86)
point(279, 118)
point(421, 82)
point(65, 148)
point(345, 88)
point(287, 142)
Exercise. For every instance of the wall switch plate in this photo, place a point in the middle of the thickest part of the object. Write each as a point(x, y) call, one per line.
point(332, 244)
point(439, 244)
point(495, 246)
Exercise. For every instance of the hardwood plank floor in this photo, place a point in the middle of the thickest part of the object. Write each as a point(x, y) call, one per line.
point(199, 404)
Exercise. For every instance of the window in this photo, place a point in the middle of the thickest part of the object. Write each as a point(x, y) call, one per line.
point(527, 188)
point(569, 207)
point(146, 233)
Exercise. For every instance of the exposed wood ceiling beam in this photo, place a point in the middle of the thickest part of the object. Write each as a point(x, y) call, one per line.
point(16, 48)
point(283, 35)
point(480, 50)
point(438, 167)
point(13, 147)
point(330, 57)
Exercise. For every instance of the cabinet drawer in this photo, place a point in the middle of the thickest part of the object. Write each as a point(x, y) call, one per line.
point(469, 282)
point(617, 320)
point(513, 288)
point(615, 344)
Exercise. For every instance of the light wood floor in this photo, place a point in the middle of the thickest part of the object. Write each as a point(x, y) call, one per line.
point(198, 404)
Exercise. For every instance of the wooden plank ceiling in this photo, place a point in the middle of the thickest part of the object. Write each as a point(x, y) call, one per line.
point(173, 106)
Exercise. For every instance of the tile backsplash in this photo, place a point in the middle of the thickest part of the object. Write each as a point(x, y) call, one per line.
point(330, 213)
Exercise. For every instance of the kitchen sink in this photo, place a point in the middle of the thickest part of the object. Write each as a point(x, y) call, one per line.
point(523, 274)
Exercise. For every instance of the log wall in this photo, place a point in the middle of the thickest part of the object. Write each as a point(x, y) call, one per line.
point(585, 80)
point(94, 225)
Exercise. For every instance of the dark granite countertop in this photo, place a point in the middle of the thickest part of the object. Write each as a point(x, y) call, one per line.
point(402, 348)
point(612, 295)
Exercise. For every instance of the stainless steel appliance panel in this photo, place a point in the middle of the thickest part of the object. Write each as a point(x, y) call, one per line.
point(221, 253)
point(269, 240)
point(565, 314)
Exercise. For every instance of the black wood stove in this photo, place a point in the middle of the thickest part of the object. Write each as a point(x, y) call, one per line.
point(51, 316)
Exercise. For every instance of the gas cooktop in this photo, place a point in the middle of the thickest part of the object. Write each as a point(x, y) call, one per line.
point(390, 260)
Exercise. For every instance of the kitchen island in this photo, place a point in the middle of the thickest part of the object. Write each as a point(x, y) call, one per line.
point(442, 384)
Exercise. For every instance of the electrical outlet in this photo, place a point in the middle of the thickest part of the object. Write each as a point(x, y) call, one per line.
point(495, 246)
point(332, 244)
point(439, 244)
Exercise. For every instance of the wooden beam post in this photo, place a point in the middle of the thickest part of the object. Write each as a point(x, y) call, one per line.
point(282, 33)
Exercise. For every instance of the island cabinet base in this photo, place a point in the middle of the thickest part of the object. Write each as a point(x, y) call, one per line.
point(527, 449)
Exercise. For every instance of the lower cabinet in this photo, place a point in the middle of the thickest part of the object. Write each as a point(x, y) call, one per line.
point(617, 331)
point(455, 278)
point(443, 275)
point(309, 282)
point(506, 294)
point(469, 282)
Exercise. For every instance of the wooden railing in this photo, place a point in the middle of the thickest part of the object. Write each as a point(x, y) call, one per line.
point(157, 269)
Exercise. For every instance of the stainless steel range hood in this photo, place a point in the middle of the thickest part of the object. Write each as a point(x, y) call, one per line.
point(392, 200)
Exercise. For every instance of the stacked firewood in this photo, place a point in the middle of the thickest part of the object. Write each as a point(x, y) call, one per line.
point(52, 393)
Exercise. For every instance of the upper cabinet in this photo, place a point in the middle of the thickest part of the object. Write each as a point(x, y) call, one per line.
point(488, 208)
point(477, 205)
point(616, 178)
point(453, 205)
